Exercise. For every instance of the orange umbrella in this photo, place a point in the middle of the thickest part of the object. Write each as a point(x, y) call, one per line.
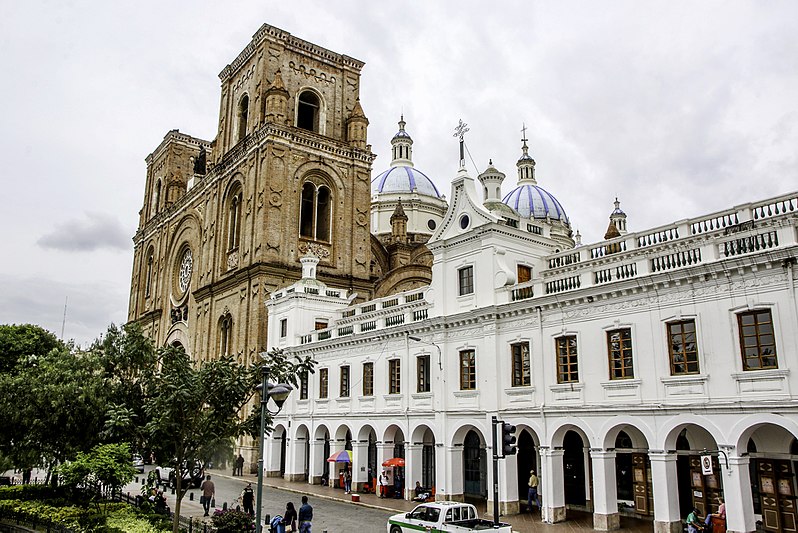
point(394, 461)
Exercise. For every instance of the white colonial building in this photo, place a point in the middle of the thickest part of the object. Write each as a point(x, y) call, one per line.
point(620, 363)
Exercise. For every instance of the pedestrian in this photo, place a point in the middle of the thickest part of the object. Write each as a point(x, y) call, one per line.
point(397, 484)
point(383, 484)
point(693, 522)
point(26, 476)
point(533, 490)
point(289, 518)
point(239, 465)
point(347, 482)
point(247, 499)
point(208, 494)
point(305, 516)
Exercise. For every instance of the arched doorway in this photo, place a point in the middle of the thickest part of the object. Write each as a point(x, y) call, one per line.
point(428, 459)
point(283, 450)
point(773, 453)
point(475, 486)
point(695, 489)
point(527, 460)
point(574, 469)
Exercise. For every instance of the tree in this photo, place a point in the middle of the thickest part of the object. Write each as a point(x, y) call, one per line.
point(103, 471)
point(195, 408)
point(58, 401)
point(18, 341)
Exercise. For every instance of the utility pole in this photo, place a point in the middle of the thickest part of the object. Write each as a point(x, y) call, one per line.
point(494, 425)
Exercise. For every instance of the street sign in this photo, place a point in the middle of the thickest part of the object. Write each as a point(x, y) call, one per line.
point(706, 465)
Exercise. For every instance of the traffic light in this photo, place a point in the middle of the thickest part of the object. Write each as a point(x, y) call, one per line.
point(508, 439)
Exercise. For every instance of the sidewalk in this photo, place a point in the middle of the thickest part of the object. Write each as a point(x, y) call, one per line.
point(522, 523)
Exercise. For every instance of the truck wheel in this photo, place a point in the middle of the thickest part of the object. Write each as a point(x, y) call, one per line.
point(396, 529)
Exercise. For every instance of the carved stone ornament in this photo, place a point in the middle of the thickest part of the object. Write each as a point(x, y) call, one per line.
point(317, 250)
point(275, 199)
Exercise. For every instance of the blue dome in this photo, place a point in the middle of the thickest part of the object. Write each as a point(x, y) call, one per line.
point(404, 179)
point(532, 201)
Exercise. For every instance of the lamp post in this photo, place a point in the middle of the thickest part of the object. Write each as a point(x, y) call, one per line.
point(279, 393)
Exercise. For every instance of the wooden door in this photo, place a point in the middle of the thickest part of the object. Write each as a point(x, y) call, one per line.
point(706, 489)
point(640, 483)
point(777, 494)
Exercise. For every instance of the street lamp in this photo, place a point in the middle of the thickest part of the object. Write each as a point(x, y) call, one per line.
point(418, 339)
point(279, 393)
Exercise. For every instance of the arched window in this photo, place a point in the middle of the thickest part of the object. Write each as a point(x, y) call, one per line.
point(307, 113)
point(156, 198)
point(148, 276)
point(234, 222)
point(225, 335)
point(315, 212)
point(243, 114)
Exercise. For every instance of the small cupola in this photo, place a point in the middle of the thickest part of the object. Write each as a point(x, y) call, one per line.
point(618, 218)
point(402, 147)
point(357, 126)
point(526, 165)
point(491, 181)
point(277, 100)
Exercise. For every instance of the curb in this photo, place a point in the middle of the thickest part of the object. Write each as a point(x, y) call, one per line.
point(315, 495)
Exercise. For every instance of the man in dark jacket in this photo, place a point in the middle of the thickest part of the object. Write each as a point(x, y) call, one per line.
point(305, 516)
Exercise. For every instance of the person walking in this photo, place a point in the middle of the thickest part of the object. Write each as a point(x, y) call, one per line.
point(247, 499)
point(239, 469)
point(533, 490)
point(305, 516)
point(208, 493)
point(289, 518)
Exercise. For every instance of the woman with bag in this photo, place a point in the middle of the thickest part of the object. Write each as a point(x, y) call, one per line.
point(289, 519)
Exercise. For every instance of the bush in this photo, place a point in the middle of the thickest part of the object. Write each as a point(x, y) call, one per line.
point(232, 521)
point(69, 516)
point(128, 520)
point(32, 492)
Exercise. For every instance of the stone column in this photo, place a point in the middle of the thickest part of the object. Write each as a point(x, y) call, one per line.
point(605, 493)
point(295, 463)
point(454, 473)
point(508, 485)
point(551, 487)
point(272, 461)
point(360, 464)
point(665, 487)
point(737, 493)
point(412, 468)
point(316, 461)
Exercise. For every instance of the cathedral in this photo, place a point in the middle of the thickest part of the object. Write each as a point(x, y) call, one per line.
point(644, 375)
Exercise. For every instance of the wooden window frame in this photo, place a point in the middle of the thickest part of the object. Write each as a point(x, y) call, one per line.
point(394, 376)
point(617, 358)
point(303, 386)
point(759, 344)
point(465, 280)
point(690, 363)
point(468, 369)
point(368, 379)
point(345, 381)
point(519, 352)
point(423, 373)
point(324, 375)
point(283, 328)
point(524, 271)
point(567, 359)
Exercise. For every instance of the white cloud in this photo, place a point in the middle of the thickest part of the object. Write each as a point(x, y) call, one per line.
point(97, 231)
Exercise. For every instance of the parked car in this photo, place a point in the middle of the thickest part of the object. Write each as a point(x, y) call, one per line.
point(448, 517)
point(138, 463)
point(193, 473)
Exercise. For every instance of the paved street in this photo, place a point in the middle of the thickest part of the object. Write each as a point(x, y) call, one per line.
point(336, 513)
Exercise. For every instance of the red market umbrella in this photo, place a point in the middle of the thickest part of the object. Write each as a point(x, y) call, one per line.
point(344, 456)
point(394, 461)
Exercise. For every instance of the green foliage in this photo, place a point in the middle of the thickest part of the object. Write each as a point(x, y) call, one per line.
point(20, 341)
point(103, 470)
point(58, 401)
point(232, 521)
point(69, 516)
point(32, 492)
point(129, 520)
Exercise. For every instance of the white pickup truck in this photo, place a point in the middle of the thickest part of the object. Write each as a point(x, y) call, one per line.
point(443, 517)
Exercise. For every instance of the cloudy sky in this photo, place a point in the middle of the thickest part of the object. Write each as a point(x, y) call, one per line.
point(679, 108)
